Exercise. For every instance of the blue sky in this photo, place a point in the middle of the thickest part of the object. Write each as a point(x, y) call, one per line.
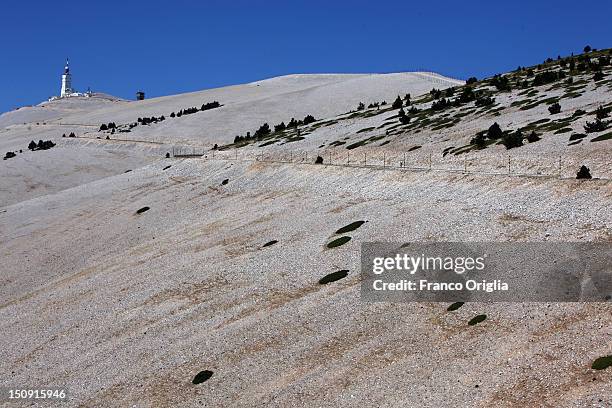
point(167, 47)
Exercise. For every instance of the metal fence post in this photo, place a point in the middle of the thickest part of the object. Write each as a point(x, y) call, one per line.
point(384, 160)
point(365, 159)
point(508, 164)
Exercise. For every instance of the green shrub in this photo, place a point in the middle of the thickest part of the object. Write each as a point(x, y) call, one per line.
point(397, 103)
point(435, 93)
point(264, 130)
point(602, 363)
point(350, 227)
point(533, 137)
point(501, 82)
point(454, 306)
point(512, 140)
point(554, 108)
point(477, 319)
point(333, 277)
point(308, 119)
point(467, 95)
point(479, 141)
point(584, 173)
point(402, 117)
point(484, 101)
point(440, 104)
point(494, 132)
point(602, 113)
point(597, 126)
point(338, 242)
point(202, 376)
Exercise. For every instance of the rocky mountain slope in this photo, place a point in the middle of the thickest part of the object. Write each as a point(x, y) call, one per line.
point(122, 286)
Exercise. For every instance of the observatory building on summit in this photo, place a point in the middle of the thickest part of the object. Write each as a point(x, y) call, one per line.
point(67, 91)
point(66, 81)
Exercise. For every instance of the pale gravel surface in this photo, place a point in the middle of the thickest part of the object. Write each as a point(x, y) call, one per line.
point(125, 309)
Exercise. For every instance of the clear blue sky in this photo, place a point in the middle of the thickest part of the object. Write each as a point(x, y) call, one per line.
point(168, 47)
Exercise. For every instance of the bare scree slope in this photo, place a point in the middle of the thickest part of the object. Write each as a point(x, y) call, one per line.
point(232, 279)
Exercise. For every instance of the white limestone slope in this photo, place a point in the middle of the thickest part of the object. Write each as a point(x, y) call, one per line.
point(124, 308)
point(247, 106)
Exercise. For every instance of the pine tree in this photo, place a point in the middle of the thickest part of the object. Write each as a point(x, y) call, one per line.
point(397, 103)
point(584, 173)
point(494, 132)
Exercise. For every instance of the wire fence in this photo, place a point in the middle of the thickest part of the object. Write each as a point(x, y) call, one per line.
point(551, 166)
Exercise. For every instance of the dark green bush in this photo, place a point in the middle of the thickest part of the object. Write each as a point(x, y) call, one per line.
point(494, 132)
point(467, 95)
point(338, 242)
point(435, 93)
point(597, 126)
point(333, 277)
point(477, 319)
point(512, 140)
point(264, 130)
point(485, 101)
point(440, 104)
point(584, 173)
point(309, 119)
point(533, 137)
point(479, 141)
point(501, 82)
point(280, 127)
point(602, 113)
point(554, 108)
point(397, 103)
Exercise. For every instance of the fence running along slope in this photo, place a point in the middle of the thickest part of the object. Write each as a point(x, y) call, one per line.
point(516, 165)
